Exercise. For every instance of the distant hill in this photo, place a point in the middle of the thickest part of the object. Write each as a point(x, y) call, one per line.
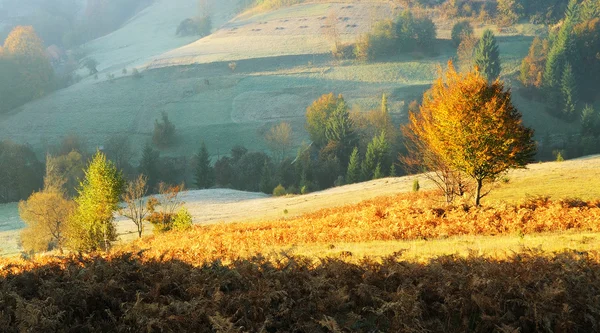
point(282, 65)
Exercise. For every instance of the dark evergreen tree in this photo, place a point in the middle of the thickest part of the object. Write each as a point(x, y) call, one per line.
point(353, 174)
point(149, 166)
point(590, 123)
point(377, 152)
point(266, 182)
point(203, 173)
point(393, 170)
point(569, 93)
point(487, 56)
point(340, 133)
point(377, 174)
point(559, 52)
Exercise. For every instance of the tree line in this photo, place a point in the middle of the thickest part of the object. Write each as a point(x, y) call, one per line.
point(465, 135)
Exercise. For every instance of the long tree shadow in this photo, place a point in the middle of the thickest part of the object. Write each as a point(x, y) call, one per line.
point(127, 292)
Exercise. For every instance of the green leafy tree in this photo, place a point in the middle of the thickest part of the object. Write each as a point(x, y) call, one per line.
point(317, 116)
point(487, 56)
point(92, 227)
point(353, 174)
point(203, 174)
point(569, 92)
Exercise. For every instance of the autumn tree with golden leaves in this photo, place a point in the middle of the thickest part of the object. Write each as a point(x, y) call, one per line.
point(472, 127)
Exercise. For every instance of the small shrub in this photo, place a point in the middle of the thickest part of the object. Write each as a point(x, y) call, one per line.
point(279, 191)
point(461, 30)
point(304, 190)
point(124, 71)
point(416, 186)
point(196, 26)
point(559, 155)
point(292, 190)
point(161, 221)
point(285, 211)
point(339, 181)
point(91, 64)
point(182, 220)
point(136, 73)
point(164, 131)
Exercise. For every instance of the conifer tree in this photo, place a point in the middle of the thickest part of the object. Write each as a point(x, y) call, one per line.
point(266, 185)
point(317, 116)
point(569, 92)
point(340, 132)
point(384, 104)
point(92, 225)
point(559, 53)
point(377, 152)
point(487, 56)
point(203, 174)
point(353, 174)
point(149, 166)
point(393, 170)
point(589, 121)
point(377, 174)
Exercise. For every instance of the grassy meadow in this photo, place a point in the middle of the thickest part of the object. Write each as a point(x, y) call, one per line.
point(278, 74)
point(399, 263)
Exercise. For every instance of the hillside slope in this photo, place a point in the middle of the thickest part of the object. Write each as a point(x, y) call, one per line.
point(151, 32)
point(557, 180)
point(210, 102)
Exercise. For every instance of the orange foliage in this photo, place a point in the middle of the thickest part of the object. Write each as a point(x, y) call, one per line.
point(472, 126)
point(401, 217)
point(533, 66)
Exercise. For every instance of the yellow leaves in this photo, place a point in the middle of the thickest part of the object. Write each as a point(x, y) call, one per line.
point(471, 126)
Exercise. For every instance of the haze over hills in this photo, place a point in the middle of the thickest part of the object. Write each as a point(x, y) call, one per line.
point(283, 64)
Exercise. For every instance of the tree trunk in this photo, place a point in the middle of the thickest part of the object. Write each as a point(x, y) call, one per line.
point(478, 192)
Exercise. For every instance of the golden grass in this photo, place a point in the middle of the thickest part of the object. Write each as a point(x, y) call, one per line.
point(500, 247)
point(416, 217)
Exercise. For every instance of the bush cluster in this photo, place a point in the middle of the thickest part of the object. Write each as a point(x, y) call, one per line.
point(406, 34)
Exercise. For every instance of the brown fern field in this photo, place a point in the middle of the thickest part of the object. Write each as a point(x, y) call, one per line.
point(413, 216)
point(243, 277)
point(125, 292)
